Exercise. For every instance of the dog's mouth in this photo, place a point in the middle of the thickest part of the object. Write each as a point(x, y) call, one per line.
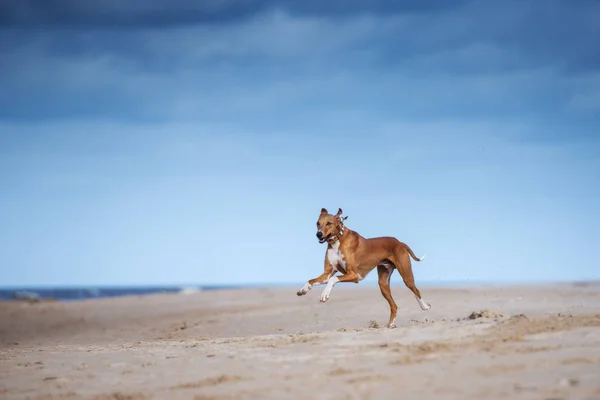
point(325, 238)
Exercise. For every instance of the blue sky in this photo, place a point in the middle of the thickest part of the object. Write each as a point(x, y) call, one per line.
point(179, 142)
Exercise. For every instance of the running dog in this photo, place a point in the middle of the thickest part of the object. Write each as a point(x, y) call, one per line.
point(355, 256)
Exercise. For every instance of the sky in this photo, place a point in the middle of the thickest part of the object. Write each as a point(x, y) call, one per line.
point(177, 142)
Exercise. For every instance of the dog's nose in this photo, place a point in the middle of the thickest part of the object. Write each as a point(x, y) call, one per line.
point(319, 234)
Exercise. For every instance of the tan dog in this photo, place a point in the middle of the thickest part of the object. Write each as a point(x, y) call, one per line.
point(355, 256)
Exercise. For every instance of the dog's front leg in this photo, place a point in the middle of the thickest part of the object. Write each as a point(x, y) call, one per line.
point(351, 276)
point(320, 280)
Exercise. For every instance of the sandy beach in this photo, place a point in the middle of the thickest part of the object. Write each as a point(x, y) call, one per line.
point(485, 342)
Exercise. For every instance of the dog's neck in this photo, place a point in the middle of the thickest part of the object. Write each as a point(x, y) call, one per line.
point(338, 237)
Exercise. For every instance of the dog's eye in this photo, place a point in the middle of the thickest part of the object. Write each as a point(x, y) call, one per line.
point(329, 223)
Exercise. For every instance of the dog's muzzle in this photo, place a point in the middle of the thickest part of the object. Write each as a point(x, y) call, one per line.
point(322, 239)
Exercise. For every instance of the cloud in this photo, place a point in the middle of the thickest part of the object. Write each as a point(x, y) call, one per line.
point(165, 13)
point(298, 65)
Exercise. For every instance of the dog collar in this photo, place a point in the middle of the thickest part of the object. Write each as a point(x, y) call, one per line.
point(337, 237)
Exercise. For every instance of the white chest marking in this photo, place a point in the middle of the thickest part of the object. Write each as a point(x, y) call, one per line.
point(336, 257)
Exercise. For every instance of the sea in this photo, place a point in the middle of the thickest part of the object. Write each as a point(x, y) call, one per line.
point(97, 292)
point(83, 293)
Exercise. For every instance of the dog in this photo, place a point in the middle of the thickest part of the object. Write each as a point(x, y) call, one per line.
point(355, 256)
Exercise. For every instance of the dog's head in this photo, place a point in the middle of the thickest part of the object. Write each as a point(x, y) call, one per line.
point(329, 225)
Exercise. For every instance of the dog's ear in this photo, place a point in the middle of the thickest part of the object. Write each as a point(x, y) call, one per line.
point(324, 211)
point(339, 212)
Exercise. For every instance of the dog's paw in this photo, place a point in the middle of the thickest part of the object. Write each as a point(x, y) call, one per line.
point(304, 289)
point(392, 326)
point(325, 296)
point(423, 304)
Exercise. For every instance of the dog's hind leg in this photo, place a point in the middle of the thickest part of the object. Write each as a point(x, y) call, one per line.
point(403, 264)
point(385, 272)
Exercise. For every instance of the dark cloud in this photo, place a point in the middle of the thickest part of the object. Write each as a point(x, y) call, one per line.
point(162, 13)
point(502, 35)
point(496, 36)
point(297, 61)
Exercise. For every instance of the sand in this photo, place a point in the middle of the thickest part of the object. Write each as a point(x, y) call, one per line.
point(497, 342)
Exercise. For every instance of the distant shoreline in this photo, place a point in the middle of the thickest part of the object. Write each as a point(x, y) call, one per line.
point(74, 293)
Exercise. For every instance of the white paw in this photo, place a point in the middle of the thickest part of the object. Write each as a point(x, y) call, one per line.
point(325, 295)
point(423, 304)
point(304, 289)
point(392, 326)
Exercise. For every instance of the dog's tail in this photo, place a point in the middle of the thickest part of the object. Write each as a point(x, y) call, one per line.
point(413, 254)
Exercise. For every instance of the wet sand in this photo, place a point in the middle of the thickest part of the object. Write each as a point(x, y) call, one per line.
point(520, 342)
